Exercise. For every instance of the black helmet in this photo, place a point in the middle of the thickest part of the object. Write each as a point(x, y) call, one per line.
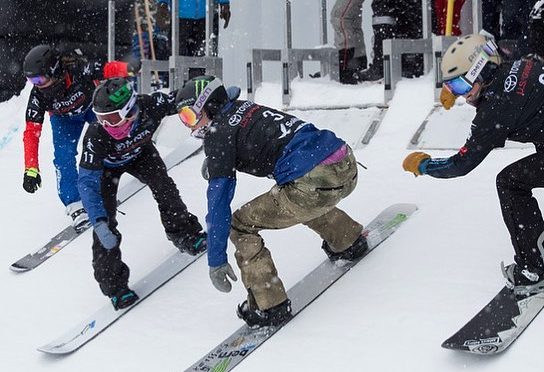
point(203, 93)
point(43, 60)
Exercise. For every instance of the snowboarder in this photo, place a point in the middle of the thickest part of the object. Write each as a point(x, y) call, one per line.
point(63, 85)
point(313, 170)
point(509, 101)
point(121, 143)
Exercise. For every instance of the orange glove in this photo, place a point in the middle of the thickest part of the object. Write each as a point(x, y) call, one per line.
point(447, 98)
point(412, 162)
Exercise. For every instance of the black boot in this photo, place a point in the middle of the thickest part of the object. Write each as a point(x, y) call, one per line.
point(123, 298)
point(523, 280)
point(272, 317)
point(191, 244)
point(354, 251)
point(375, 71)
point(349, 65)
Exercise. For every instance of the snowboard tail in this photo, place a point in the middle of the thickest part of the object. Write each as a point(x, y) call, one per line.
point(498, 324)
point(85, 331)
point(245, 340)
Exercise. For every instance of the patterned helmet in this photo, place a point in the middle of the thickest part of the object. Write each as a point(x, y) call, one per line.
point(203, 93)
point(461, 55)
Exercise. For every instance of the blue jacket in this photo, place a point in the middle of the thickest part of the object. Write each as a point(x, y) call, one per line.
point(192, 9)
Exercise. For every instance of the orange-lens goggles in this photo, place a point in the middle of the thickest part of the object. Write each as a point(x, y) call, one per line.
point(188, 116)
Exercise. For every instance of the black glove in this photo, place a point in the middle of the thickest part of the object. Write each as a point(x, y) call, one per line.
point(32, 180)
point(225, 14)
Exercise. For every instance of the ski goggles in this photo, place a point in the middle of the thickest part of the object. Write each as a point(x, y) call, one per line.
point(188, 116)
point(39, 80)
point(119, 117)
point(458, 86)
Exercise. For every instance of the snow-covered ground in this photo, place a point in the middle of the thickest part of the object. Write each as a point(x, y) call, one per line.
point(389, 313)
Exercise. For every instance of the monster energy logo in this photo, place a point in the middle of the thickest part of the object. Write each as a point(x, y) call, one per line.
point(121, 95)
point(199, 86)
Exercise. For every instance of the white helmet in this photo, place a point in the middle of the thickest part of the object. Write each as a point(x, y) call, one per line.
point(461, 55)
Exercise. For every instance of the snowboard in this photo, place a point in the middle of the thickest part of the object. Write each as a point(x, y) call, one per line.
point(245, 340)
point(498, 324)
point(80, 334)
point(69, 234)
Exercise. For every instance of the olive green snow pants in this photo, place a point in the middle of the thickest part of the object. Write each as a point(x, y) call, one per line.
point(310, 200)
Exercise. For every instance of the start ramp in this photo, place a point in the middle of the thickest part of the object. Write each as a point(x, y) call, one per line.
point(353, 112)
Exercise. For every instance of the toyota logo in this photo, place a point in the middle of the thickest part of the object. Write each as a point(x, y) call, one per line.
point(234, 120)
point(510, 83)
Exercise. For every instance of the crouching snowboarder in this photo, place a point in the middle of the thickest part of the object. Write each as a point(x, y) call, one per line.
point(313, 169)
point(509, 101)
point(121, 143)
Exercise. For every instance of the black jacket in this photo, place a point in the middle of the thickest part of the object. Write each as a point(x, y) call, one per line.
point(512, 108)
point(102, 150)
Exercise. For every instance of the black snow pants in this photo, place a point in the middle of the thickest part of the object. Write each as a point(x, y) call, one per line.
point(109, 270)
point(398, 19)
point(520, 209)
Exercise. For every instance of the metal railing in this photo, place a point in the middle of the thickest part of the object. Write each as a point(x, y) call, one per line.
point(292, 59)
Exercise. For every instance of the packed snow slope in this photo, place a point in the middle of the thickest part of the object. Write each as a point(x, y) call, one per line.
point(389, 313)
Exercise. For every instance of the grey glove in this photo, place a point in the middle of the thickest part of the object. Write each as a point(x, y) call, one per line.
point(218, 275)
point(104, 234)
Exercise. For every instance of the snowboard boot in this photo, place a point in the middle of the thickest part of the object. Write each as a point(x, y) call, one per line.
point(354, 251)
point(375, 70)
point(80, 219)
point(373, 73)
point(349, 65)
point(191, 244)
point(523, 281)
point(272, 317)
point(123, 299)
